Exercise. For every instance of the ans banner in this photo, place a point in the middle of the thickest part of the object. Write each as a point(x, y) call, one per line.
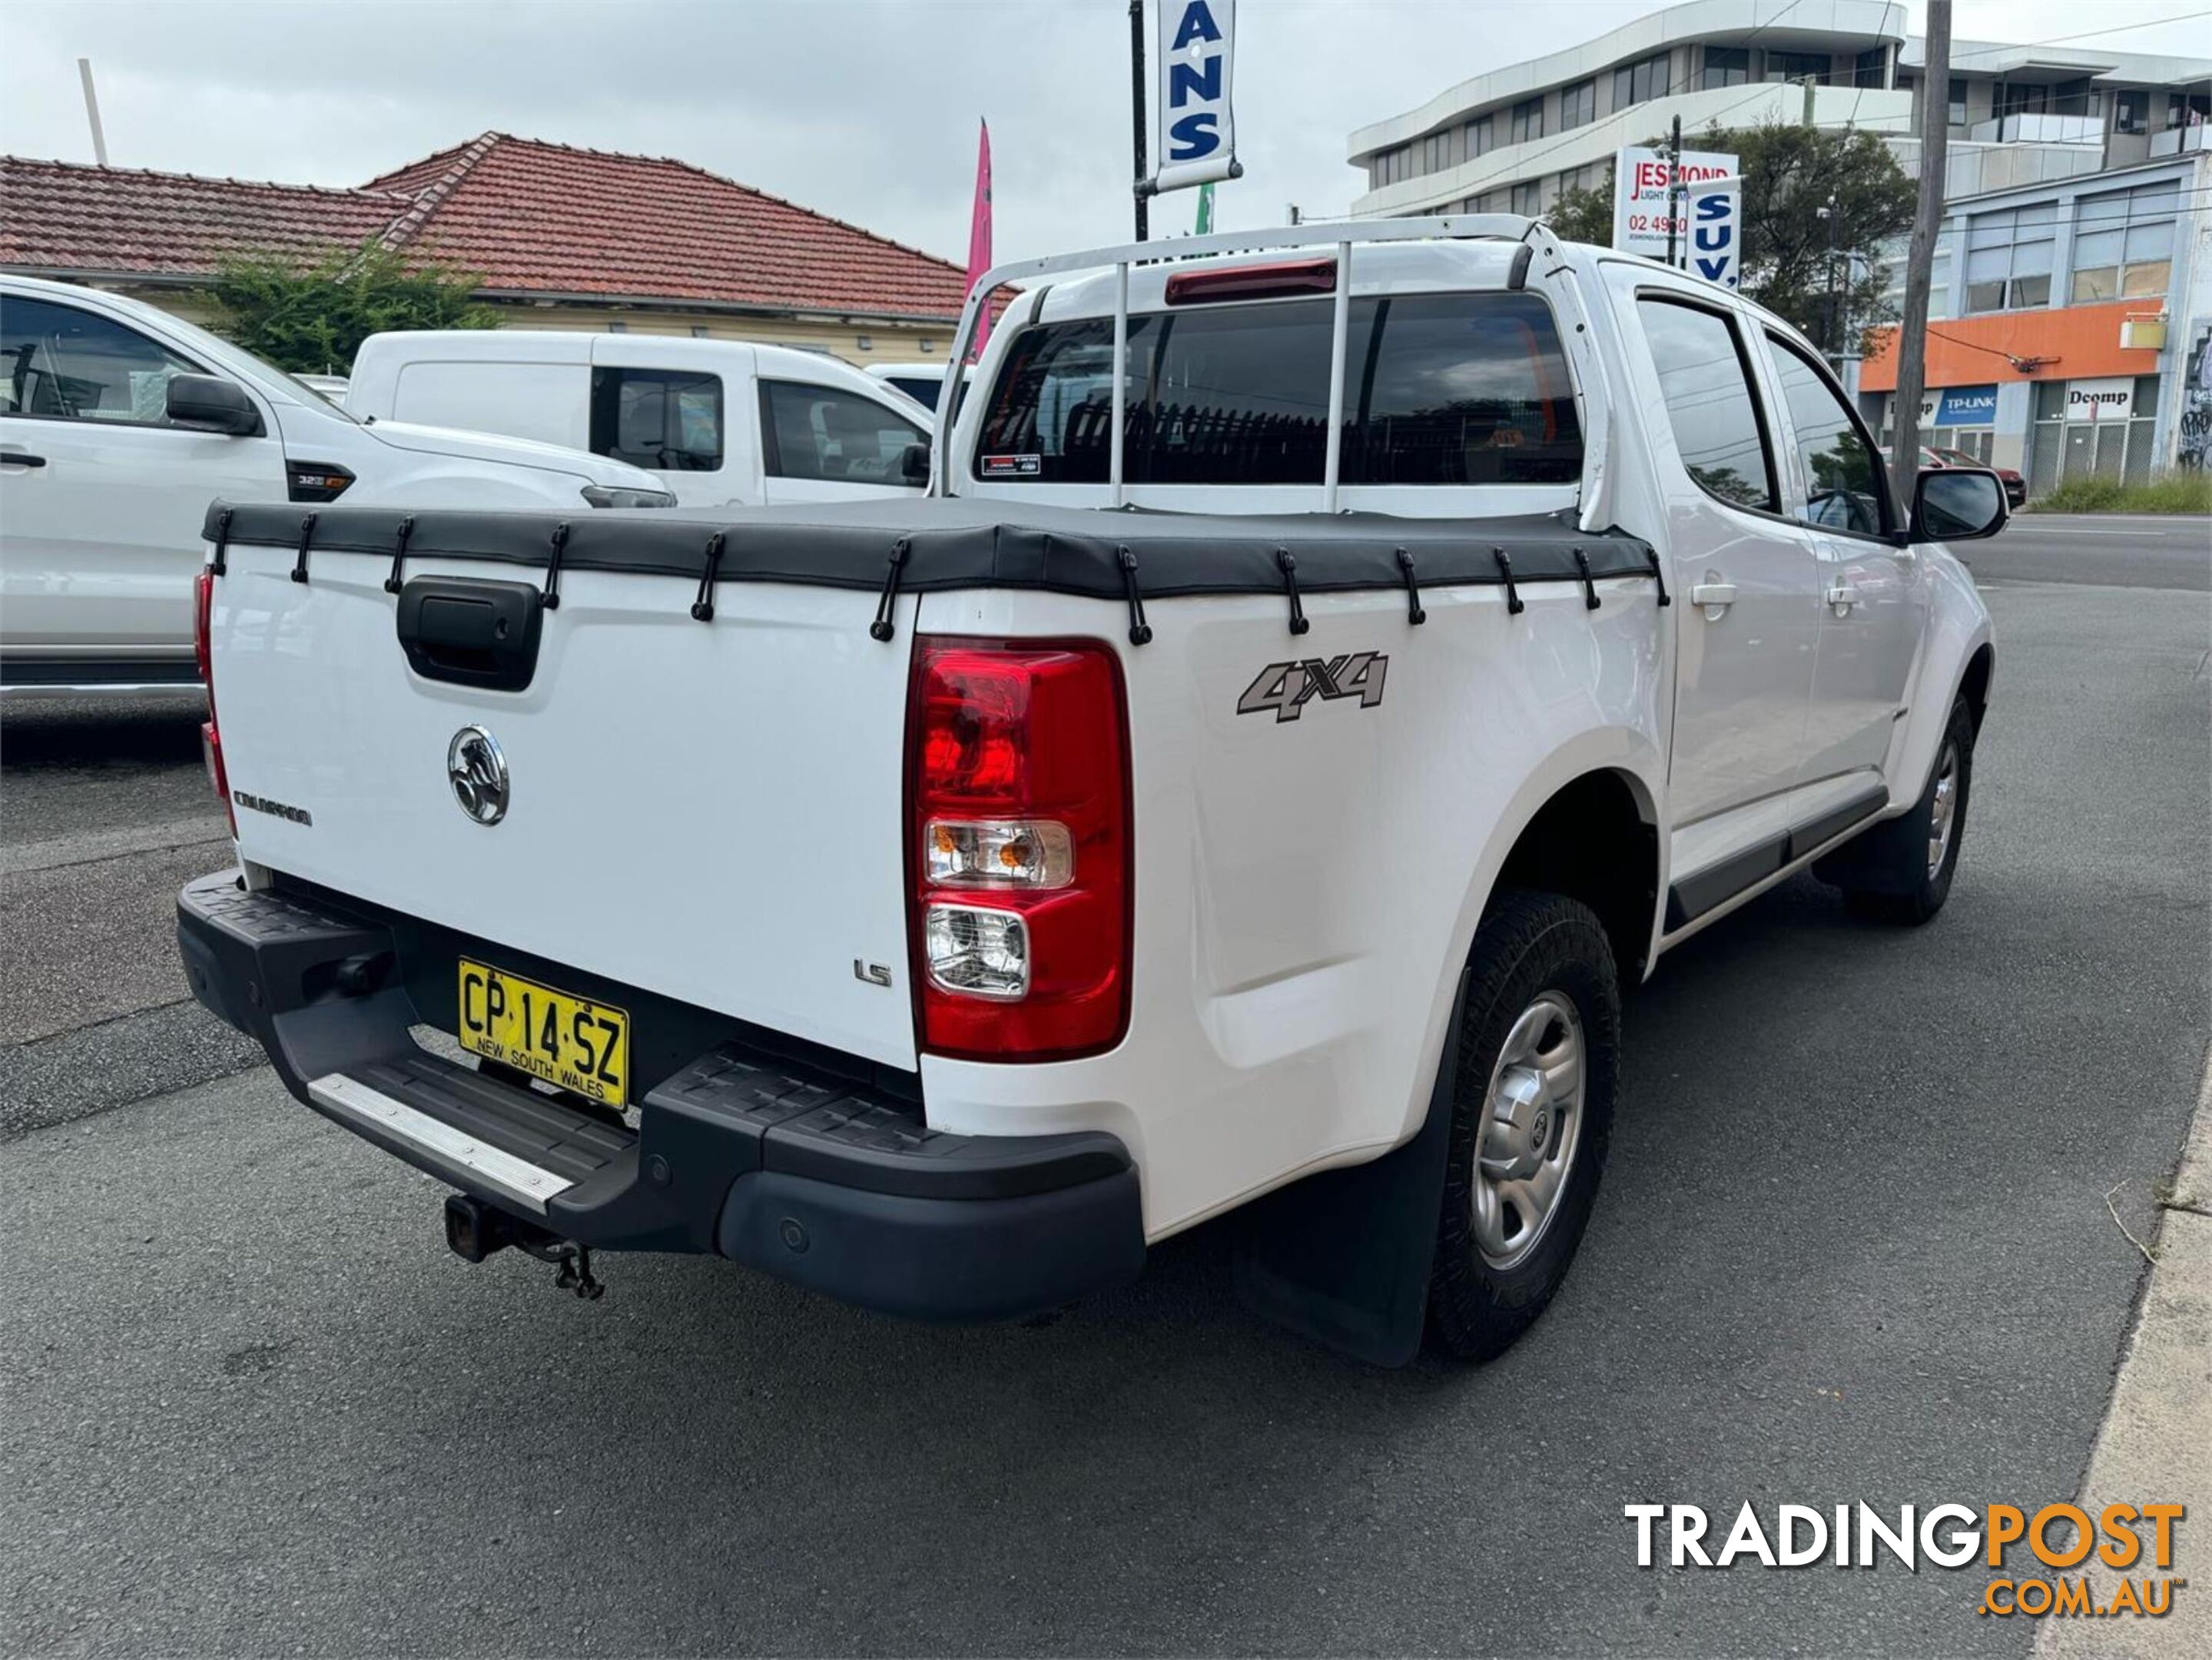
point(1197, 55)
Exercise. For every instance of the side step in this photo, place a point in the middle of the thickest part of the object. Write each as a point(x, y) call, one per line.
point(474, 1131)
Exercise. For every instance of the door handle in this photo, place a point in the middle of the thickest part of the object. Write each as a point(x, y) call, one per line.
point(21, 459)
point(1715, 597)
point(1843, 596)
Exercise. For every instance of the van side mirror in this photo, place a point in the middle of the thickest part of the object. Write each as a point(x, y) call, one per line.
point(1957, 504)
point(913, 465)
point(208, 402)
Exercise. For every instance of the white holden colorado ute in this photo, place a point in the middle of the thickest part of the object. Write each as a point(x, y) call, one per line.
point(118, 420)
point(1321, 677)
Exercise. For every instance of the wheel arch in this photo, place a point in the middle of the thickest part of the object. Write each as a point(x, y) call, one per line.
point(1594, 839)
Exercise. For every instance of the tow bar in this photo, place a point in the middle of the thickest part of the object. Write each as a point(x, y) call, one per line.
point(475, 1230)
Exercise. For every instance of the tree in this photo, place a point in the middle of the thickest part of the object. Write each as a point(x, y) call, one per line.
point(311, 318)
point(1789, 173)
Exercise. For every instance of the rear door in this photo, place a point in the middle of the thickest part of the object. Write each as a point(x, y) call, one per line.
point(1873, 601)
point(101, 498)
point(1745, 576)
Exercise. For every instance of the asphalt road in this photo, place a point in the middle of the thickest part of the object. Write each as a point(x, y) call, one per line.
point(2136, 551)
point(1854, 1245)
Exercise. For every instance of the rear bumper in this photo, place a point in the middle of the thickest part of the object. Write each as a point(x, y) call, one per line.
point(811, 1167)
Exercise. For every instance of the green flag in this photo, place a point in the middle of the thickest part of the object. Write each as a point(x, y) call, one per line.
point(1205, 211)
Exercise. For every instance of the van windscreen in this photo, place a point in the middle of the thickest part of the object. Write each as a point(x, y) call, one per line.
point(1439, 389)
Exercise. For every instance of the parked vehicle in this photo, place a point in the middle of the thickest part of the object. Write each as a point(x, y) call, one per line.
point(719, 423)
point(924, 382)
point(120, 422)
point(967, 892)
point(2015, 487)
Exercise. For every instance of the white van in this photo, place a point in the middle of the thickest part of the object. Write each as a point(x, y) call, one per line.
point(721, 423)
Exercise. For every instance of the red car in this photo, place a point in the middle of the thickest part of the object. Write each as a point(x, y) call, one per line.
point(2015, 487)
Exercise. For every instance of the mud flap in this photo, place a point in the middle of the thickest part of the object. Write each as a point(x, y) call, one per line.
point(1344, 1257)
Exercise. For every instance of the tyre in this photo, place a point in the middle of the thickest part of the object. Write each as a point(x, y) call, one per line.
point(1538, 1068)
point(1900, 870)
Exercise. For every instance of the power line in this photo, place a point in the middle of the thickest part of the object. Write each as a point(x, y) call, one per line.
point(1997, 49)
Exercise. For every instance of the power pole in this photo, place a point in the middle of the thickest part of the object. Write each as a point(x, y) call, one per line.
point(1827, 212)
point(1137, 116)
point(1920, 256)
point(1673, 182)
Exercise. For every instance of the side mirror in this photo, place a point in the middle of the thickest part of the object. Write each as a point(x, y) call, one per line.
point(1957, 504)
point(913, 465)
point(207, 402)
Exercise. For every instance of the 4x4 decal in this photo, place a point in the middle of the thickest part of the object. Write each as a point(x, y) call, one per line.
point(1286, 688)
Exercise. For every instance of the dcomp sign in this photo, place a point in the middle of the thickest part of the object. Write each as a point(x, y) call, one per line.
point(1197, 59)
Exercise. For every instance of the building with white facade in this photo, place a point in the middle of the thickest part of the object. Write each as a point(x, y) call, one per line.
point(2074, 257)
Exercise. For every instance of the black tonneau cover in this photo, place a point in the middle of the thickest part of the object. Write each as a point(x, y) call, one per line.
point(936, 543)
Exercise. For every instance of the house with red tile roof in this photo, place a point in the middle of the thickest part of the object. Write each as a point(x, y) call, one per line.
point(559, 238)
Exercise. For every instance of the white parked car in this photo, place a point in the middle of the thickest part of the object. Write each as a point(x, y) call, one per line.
point(720, 423)
point(924, 382)
point(936, 902)
point(120, 423)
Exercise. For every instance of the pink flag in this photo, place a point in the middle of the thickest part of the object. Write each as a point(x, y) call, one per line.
point(979, 239)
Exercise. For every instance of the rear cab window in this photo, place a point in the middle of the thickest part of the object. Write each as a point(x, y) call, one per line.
point(1445, 389)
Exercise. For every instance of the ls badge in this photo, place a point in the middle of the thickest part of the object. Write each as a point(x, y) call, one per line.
point(1286, 688)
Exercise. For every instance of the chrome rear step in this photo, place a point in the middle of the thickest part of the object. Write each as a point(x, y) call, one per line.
point(479, 1132)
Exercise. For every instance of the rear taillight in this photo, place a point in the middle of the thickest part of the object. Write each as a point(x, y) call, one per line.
point(1019, 845)
point(204, 653)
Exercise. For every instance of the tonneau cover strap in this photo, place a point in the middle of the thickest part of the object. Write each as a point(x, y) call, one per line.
point(550, 597)
point(221, 562)
point(1591, 601)
point(1414, 613)
point(1513, 605)
point(1287, 564)
point(394, 583)
point(702, 608)
point(1658, 581)
point(883, 628)
point(1140, 631)
point(306, 534)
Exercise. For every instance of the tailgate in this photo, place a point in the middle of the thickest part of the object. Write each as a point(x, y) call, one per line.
point(709, 810)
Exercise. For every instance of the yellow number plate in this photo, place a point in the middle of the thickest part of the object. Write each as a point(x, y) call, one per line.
point(580, 1045)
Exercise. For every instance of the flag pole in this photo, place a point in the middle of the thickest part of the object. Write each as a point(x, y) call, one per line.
point(1139, 186)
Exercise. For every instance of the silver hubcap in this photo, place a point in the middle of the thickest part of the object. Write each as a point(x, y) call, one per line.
point(1946, 810)
point(1532, 1120)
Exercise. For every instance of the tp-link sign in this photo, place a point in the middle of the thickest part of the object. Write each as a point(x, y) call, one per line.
point(1197, 52)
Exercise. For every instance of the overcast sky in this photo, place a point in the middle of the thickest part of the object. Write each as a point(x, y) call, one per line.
point(862, 108)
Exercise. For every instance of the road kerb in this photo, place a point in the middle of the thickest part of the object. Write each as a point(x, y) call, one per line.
point(2154, 1447)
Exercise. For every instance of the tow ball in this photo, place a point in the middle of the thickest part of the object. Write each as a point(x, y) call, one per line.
point(475, 1230)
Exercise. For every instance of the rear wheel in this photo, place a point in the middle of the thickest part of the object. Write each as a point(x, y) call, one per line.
point(1901, 870)
point(1537, 1072)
